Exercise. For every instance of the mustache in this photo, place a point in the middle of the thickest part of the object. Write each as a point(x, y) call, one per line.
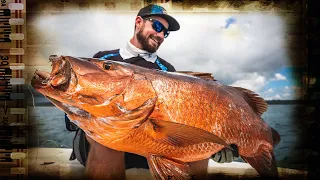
point(156, 38)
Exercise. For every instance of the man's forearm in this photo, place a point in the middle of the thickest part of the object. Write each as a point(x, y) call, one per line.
point(199, 169)
point(104, 163)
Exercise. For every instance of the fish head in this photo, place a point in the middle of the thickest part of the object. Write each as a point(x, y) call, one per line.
point(85, 84)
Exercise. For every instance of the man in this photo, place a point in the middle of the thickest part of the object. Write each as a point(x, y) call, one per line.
point(152, 26)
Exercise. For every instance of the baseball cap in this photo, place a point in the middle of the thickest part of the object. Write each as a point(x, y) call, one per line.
point(156, 10)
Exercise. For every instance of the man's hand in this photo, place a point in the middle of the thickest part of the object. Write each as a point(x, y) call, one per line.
point(226, 155)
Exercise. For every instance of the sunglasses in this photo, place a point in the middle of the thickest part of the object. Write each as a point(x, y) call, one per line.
point(158, 27)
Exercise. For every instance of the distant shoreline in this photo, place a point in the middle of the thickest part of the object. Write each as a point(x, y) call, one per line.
point(293, 101)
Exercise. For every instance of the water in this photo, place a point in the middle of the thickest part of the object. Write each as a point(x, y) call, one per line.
point(290, 121)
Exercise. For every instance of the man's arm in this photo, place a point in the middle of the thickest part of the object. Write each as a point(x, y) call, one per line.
point(199, 169)
point(104, 163)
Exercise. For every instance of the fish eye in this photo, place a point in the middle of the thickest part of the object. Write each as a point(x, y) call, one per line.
point(107, 66)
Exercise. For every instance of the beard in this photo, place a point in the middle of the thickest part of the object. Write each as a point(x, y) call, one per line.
point(143, 40)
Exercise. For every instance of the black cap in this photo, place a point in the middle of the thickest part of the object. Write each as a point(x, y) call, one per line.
point(156, 10)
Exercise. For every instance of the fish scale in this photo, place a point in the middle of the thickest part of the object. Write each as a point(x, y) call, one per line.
point(146, 142)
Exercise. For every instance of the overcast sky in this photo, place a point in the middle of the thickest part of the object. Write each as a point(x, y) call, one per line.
point(249, 52)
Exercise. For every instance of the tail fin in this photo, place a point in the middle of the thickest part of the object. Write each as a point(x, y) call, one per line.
point(264, 162)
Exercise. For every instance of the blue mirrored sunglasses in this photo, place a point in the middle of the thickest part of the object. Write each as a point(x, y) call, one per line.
point(159, 27)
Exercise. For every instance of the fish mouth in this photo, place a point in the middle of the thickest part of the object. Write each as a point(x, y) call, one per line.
point(59, 78)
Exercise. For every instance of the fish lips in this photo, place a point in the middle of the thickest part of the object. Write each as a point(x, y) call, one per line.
point(59, 77)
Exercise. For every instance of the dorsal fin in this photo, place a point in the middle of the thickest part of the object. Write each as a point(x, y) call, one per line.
point(257, 102)
point(198, 74)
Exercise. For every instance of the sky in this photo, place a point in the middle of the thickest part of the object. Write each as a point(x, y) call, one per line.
point(240, 49)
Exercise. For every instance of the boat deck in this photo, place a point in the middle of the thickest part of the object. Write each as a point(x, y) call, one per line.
point(54, 162)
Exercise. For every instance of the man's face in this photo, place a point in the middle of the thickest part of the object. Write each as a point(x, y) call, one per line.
point(150, 39)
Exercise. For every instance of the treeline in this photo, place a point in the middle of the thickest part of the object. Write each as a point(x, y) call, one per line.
point(292, 101)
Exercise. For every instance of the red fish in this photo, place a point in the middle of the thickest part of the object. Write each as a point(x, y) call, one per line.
point(169, 118)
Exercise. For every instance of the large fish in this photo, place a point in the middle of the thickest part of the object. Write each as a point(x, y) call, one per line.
point(169, 118)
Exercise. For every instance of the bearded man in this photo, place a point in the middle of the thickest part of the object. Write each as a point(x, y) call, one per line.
point(152, 26)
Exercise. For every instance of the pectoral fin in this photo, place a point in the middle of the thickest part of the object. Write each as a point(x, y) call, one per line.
point(181, 135)
point(164, 168)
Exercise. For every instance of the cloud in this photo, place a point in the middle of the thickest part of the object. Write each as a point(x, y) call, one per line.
point(270, 90)
point(278, 77)
point(286, 89)
point(286, 95)
point(274, 97)
point(277, 96)
point(283, 93)
point(252, 81)
point(202, 44)
point(245, 54)
point(292, 92)
point(227, 52)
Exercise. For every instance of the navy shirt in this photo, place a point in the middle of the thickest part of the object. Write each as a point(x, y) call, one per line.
point(139, 61)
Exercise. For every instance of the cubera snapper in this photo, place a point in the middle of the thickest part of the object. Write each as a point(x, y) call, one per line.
point(169, 118)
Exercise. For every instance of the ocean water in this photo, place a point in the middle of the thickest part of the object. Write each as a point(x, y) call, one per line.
point(290, 121)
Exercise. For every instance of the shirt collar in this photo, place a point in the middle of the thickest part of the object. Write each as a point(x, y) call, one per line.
point(130, 51)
